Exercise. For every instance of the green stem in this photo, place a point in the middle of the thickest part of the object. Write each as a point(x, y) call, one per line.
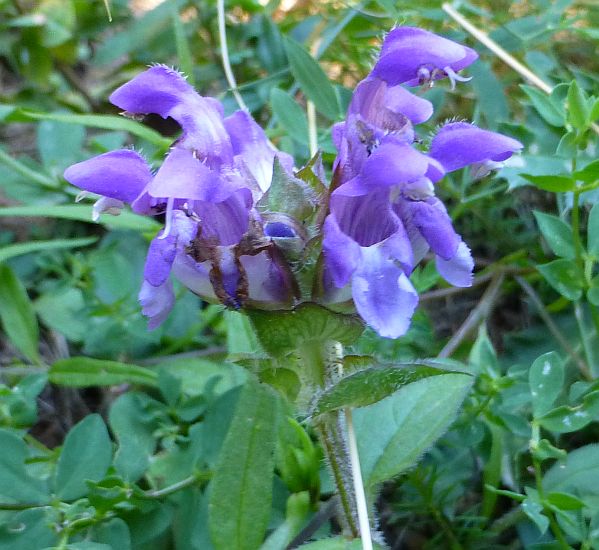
point(555, 528)
point(336, 455)
point(183, 484)
point(536, 463)
point(576, 230)
point(321, 368)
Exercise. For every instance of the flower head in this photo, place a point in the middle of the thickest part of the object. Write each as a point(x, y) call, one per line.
point(207, 188)
point(384, 215)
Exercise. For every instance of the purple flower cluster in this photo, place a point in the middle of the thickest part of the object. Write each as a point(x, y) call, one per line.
point(208, 186)
point(384, 216)
point(220, 238)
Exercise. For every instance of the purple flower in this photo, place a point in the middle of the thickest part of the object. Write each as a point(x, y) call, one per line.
point(365, 244)
point(460, 144)
point(415, 57)
point(384, 216)
point(207, 188)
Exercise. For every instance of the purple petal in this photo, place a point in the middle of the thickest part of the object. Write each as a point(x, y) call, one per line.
point(407, 49)
point(225, 221)
point(270, 285)
point(459, 144)
point(160, 258)
point(458, 269)
point(363, 213)
point(253, 148)
point(383, 295)
point(394, 162)
point(164, 91)
point(156, 302)
point(431, 219)
point(183, 176)
point(341, 253)
point(388, 106)
point(194, 275)
point(120, 175)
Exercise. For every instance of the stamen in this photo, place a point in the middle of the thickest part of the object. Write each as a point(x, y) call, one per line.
point(455, 77)
point(168, 222)
point(82, 195)
point(424, 76)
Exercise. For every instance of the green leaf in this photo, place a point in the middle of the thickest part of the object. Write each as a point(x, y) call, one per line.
point(241, 337)
point(593, 231)
point(32, 531)
point(578, 109)
point(241, 489)
point(370, 385)
point(19, 249)
point(17, 314)
point(567, 146)
point(554, 184)
point(133, 421)
point(16, 485)
point(59, 144)
point(82, 372)
point(545, 450)
point(290, 115)
point(289, 195)
point(548, 110)
point(566, 419)
point(593, 291)
point(281, 332)
point(393, 433)
point(546, 378)
point(534, 510)
point(557, 233)
point(85, 455)
point(106, 122)
point(89, 545)
point(594, 114)
point(83, 213)
point(577, 473)
point(564, 277)
point(564, 501)
point(183, 52)
point(335, 543)
point(312, 79)
point(588, 174)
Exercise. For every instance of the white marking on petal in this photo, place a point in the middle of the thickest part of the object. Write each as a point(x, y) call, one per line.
point(168, 222)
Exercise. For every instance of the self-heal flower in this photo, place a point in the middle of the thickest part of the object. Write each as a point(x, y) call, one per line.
point(416, 57)
point(384, 215)
point(207, 187)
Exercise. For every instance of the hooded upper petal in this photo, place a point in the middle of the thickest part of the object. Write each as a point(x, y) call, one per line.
point(411, 55)
point(459, 144)
point(120, 175)
point(164, 91)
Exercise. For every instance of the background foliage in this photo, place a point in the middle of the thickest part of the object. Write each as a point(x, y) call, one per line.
point(115, 437)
